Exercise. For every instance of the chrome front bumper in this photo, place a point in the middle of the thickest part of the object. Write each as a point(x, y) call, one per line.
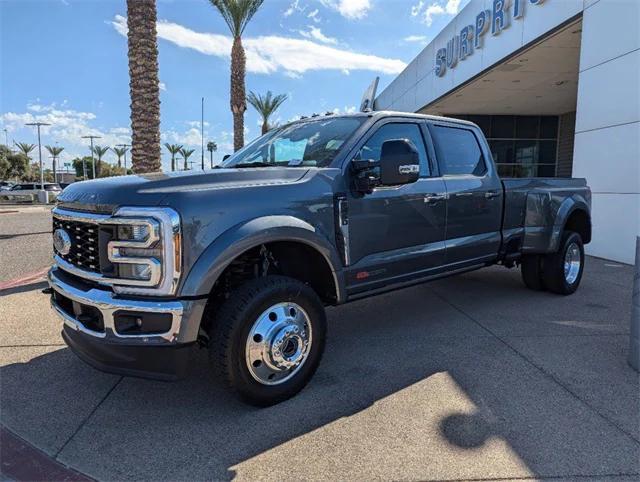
point(108, 304)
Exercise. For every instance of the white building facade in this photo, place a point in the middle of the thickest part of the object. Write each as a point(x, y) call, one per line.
point(555, 86)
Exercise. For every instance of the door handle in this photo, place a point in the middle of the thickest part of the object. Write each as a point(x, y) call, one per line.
point(434, 198)
point(464, 194)
point(491, 194)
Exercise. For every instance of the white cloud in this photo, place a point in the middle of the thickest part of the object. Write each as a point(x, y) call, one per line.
point(67, 128)
point(268, 54)
point(345, 110)
point(163, 86)
point(351, 9)
point(293, 7)
point(416, 39)
point(417, 8)
point(451, 7)
point(316, 34)
point(313, 15)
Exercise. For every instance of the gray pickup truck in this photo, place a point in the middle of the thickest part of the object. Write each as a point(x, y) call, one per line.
point(243, 259)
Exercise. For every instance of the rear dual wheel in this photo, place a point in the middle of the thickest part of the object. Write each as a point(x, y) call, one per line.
point(559, 272)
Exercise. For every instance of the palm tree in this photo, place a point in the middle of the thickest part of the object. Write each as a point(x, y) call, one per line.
point(266, 106)
point(55, 152)
point(212, 147)
point(99, 151)
point(237, 14)
point(120, 152)
point(185, 155)
point(25, 148)
point(173, 150)
point(144, 85)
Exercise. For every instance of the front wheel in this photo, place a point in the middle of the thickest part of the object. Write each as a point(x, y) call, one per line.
point(563, 270)
point(267, 339)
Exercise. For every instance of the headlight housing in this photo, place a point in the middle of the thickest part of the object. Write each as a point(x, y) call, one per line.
point(146, 251)
point(137, 250)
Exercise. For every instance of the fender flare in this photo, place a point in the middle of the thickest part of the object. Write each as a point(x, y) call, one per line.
point(244, 236)
point(564, 212)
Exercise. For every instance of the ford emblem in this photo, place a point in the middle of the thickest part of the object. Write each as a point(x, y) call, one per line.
point(61, 241)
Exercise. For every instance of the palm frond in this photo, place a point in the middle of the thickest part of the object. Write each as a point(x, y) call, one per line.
point(237, 13)
point(54, 150)
point(119, 151)
point(100, 151)
point(25, 147)
point(186, 152)
point(267, 104)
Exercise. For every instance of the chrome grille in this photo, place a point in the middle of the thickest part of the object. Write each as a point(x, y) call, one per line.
point(85, 247)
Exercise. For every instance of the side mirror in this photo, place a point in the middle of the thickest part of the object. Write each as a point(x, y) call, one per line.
point(399, 162)
point(225, 157)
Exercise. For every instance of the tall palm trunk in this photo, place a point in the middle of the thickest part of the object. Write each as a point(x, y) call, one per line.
point(238, 97)
point(173, 162)
point(144, 85)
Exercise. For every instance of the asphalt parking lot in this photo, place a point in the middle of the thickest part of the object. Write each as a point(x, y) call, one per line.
point(468, 378)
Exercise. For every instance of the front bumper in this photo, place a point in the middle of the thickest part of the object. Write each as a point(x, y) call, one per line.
point(89, 314)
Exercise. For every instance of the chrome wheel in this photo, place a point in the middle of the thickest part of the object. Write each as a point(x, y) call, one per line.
point(572, 263)
point(278, 343)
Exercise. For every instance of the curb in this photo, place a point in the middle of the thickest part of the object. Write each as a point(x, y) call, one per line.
point(21, 461)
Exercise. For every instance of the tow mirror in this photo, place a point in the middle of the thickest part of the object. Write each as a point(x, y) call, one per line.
point(399, 162)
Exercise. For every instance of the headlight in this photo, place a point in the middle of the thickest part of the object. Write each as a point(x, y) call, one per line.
point(146, 252)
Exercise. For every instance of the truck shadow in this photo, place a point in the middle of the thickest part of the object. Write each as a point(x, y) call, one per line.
point(423, 382)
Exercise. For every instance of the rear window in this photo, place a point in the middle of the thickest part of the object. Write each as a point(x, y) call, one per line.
point(458, 151)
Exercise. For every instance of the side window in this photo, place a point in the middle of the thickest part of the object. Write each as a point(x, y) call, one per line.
point(458, 151)
point(371, 149)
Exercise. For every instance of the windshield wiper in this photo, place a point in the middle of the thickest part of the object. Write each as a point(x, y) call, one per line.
point(253, 164)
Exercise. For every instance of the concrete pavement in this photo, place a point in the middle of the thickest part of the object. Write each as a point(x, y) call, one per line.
point(473, 377)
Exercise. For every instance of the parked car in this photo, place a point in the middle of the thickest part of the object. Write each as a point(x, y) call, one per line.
point(322, 211)
point(6, 185)
point(28, 192)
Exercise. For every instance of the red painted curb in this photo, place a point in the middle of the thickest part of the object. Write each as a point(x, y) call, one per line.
point(36, 275)
point(20, 461)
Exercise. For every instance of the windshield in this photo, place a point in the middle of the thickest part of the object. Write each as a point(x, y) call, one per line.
point(311, 143)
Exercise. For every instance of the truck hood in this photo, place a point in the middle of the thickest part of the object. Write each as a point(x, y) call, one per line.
point(104, 195)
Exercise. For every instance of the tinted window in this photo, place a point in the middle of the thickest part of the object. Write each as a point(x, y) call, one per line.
point(526, 127)
point(458, 151)
point(502, 127)
point(371, 149)
point(548, 127)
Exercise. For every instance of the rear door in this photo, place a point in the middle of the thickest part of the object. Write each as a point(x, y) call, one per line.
point(474, 191)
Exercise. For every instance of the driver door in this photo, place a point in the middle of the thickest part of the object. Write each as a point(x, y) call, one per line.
point(396, 233)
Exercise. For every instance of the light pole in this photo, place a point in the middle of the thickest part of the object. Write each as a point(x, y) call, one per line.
point(93, 161)
point(38, 124)
point(202, 135)
point(126, 146)
point(6, 137)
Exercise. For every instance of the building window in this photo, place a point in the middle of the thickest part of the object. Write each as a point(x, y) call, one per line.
point(522, 146)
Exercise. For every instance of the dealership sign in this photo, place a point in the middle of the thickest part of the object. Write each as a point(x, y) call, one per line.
point(470, 38)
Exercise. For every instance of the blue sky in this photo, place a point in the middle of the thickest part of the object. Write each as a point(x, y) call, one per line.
point(65, 62)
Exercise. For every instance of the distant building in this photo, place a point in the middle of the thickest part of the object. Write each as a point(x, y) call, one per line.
point(555, 86)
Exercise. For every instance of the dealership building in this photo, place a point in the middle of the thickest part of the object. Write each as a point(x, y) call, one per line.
point(555, 86)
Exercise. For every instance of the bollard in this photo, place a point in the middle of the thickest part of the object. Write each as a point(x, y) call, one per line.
point(634, 338)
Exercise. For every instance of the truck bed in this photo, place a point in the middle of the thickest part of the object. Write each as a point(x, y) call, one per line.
point(532, 207)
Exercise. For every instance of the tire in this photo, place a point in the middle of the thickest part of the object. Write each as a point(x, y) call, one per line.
point(531, 269)
point(267, 339)
point(556, 277)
